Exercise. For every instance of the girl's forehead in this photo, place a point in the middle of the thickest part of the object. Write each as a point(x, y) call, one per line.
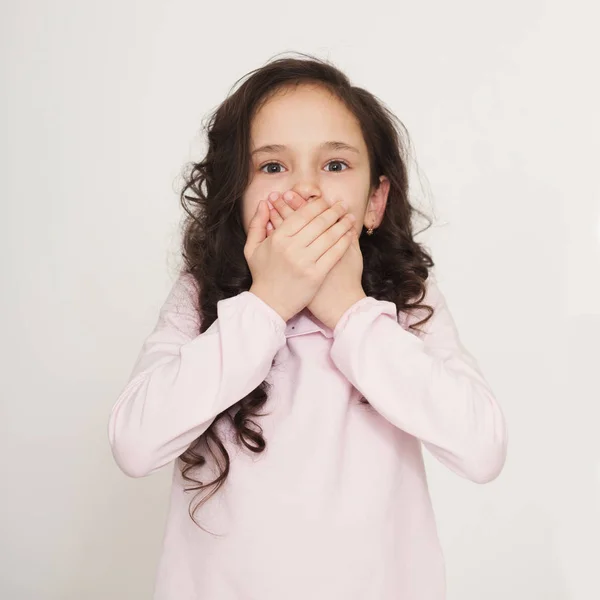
point(303, 101)
point(305, 116)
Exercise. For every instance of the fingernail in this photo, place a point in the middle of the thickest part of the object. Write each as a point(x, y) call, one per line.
point(273, 196)
point(269, 226)
point(289, 195)
point(269, 203)
point(344, 204)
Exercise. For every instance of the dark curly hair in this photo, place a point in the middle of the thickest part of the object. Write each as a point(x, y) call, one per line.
point(395, 266)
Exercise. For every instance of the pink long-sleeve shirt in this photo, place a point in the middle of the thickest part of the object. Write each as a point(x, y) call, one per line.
point(337, 507)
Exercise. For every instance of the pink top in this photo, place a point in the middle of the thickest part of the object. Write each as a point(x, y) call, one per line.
point(337, 506)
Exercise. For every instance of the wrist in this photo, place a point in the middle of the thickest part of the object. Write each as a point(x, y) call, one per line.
point(336, 313)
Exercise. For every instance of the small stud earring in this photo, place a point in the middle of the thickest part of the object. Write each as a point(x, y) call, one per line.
point(370, 231)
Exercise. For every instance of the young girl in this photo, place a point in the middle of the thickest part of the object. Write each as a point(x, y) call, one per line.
point(303, 357)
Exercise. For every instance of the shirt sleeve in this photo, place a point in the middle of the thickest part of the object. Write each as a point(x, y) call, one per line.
point(428, 385)
point(182, 379)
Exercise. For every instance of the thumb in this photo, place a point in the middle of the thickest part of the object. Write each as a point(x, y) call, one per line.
point(257, 229)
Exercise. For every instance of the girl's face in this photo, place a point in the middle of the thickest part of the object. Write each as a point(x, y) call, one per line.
point(306, 140)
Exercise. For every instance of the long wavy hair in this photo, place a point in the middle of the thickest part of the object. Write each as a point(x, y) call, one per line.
point(395, 266)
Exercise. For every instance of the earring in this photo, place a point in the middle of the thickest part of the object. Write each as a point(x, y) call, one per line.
point(370, 231)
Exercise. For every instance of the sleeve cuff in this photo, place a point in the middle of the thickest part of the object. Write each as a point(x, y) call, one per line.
point(367, 305)
point(277, 321)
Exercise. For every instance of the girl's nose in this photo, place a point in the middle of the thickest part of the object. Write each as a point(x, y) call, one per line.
point(308, 190)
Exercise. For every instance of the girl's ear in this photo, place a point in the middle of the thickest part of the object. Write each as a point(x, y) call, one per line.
point(377, 203)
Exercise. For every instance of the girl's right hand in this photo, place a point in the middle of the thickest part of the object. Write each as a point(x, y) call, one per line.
point(289, 265)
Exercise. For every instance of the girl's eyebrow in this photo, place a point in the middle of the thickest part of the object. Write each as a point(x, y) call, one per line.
point(273, 148)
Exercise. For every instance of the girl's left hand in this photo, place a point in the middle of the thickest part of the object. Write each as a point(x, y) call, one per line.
point(342, 287)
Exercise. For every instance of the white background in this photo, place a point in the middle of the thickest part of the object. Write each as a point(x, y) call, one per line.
point(101, 106)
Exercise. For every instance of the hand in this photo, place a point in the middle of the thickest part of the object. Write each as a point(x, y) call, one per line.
point(289, 265)
point(342, 286)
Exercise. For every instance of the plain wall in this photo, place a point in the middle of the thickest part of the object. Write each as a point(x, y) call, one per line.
point(102, 105)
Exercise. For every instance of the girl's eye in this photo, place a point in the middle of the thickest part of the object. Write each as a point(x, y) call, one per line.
point(269, 165)
point(339, 162)
point(337, 170)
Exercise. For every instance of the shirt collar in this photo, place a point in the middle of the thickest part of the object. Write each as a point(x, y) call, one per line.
point(305, 322)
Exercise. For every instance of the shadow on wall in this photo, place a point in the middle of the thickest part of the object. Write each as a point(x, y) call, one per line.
point(542, 542)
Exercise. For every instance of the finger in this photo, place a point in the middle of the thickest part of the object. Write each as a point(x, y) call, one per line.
point(274, 216)
point(294, 199)
point(282, 207)
point(295, 221)
point(320, 225)
point(257, 229)
point(329, 259)
point(321, 243)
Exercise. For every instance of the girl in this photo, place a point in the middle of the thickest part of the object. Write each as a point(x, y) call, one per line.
point(293, 375)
